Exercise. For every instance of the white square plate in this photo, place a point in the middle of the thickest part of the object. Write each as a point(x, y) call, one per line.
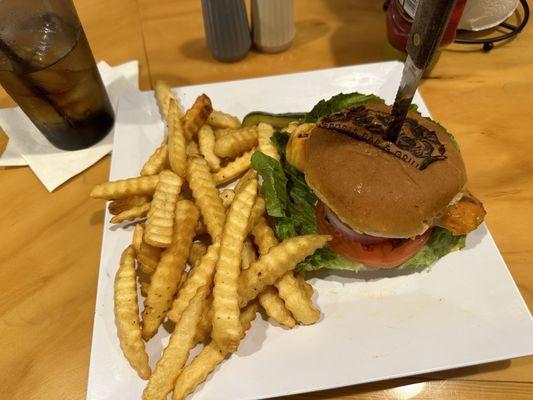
point(463, 310)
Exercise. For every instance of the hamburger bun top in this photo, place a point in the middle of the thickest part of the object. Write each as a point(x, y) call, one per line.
point(374, 191)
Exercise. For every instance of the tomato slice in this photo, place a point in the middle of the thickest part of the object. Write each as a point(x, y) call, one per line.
point(388, 254)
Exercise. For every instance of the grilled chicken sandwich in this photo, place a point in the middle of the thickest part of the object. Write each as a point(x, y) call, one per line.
point(386, 205)
point(381, 205)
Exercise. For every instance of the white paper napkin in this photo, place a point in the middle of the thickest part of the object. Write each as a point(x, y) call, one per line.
point(27, 146)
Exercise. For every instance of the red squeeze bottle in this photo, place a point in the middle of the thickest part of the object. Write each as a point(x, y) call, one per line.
point(400, 16)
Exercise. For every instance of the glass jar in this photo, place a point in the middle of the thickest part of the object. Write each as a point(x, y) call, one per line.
point(400, 16)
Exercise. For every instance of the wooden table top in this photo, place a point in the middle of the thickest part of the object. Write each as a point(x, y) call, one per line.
point(51, 241)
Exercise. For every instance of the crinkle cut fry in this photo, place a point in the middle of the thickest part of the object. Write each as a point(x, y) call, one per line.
point(127, 314)
point(131, 214)
point(234, 168)
point(206, 143)
point(117, 206)
point(226, 326)
point(157, 162)
point(221, 120)
point(159, 226)
point(166, 278)
point(142, 185)
point(197, 116)
point(163, 95)
point(236, 142)
point(177, 142)
point(206, 196)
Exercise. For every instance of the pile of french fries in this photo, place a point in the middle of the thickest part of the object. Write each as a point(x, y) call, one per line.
point(205, 260)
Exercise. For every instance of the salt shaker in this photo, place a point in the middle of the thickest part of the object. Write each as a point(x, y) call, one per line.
point(226, 29)
point(272, 24)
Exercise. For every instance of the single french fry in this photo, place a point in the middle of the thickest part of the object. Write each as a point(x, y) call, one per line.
point(127, 314)
point(258, 210)
point(177, 143)
point(163, 95)
point(157, 162)
point(125, 203)
point(264, 134)
point(296, 299)
point(167, 276)
point(234, 168)
point(206, 196)
point(275, 308)
point(142, 185)
point(137, 238)
point(243, 180)
point(148, 257)
point(274, 264)
point(198, 250)
point(208, 359)
point(226, 326)
point(176, 353)
point(219, 120)
point(160, 221)
point(237, 142)
point(248, 254)
point(264, 236)
point(200, 275)
point(131, 214)
point(192, 149)
point(206, 141)
point(196, 116)
point(227, 196)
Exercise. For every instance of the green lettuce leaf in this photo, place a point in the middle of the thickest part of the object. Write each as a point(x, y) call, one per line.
point(338, 102)
point(274, 187)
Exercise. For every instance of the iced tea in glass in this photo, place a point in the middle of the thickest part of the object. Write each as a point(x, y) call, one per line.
point(47, 67)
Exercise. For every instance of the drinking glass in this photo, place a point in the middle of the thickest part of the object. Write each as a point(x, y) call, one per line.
point(47, 67)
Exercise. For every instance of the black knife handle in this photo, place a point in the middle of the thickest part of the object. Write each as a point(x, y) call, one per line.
point(431, 20)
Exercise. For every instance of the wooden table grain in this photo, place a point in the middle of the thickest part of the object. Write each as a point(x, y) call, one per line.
point(50, 242)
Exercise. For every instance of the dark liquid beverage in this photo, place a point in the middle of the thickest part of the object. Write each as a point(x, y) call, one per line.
point(55, 82)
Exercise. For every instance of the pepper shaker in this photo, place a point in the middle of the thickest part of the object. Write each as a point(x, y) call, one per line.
point(226, 29)
point(272, 24)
